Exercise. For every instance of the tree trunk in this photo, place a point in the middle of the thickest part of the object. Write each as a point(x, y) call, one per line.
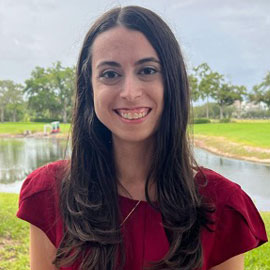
point(14, 116)
point(207, 108)
point(221, 111)
point(65, 111)
point(240, 110)
point(2, 114)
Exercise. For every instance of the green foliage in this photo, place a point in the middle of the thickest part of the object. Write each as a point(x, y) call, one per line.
point(44, 120)
point(193, 84)
point(261, 92)
point(42, 100)
point(50, 91)
point(201, 121)
point(11, 101)
point(213, 111)
point(63, 81)
point(15, 112)
point(258, 114)
point(206, 84)
point(225, 120)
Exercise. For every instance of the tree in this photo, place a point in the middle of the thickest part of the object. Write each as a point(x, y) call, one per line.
point(42, 100)
point(50, 91)
point(208, 81)
point(11, 98)
point(240, 93)
point(63, 82)
point(15, 101)
point(4, 98)
point(261, 92)
point(225, 95)
point(193, 85)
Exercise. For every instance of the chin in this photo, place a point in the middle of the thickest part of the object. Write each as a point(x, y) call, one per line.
point(133, 138)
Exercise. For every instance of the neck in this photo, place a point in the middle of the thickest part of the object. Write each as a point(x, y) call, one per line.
point(132, 162)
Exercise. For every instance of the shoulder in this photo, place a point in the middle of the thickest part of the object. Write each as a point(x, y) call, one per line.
point(237, 227)
point(215, 187)
point(45, 178)
point(229, 199)
point(39, 199)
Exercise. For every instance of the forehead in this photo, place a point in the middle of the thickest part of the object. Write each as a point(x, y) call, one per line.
point(121, 44)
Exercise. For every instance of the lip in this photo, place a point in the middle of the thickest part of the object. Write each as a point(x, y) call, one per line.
point(132, 109)
point(118, 112)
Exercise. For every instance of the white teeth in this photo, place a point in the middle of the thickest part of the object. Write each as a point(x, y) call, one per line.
point(131, 116)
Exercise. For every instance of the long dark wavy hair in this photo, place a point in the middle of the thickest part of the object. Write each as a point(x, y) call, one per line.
point(89, 196)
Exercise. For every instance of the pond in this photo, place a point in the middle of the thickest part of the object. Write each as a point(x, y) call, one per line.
point(18, 157)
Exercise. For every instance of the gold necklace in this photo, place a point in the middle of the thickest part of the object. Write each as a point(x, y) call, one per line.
point(130, 213)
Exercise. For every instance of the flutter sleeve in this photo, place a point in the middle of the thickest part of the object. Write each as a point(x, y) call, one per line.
point(239, 228)
point(37, 201)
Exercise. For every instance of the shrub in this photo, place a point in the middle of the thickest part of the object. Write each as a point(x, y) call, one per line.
point(225, 120)
point(45, 120)
point(201, 121)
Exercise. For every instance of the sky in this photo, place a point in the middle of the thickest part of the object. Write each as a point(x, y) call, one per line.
point(231, 36)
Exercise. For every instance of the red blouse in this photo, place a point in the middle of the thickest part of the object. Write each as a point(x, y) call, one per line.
point(238, 225)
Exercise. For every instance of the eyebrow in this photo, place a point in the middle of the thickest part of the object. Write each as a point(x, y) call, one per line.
point(139, 62)
point(148, 59)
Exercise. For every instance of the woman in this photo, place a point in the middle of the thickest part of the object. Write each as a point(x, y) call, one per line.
point(132, 196)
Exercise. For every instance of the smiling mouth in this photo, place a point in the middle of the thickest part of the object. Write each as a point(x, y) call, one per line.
point(133, 114)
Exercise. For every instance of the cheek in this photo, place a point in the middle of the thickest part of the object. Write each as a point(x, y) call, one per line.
point(102, 102)
point(160, 97)
point(97, 104)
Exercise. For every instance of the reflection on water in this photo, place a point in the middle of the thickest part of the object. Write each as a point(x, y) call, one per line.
point(18, 157)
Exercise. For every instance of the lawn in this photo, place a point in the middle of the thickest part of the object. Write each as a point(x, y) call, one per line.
point(14, 235)
point(14, 240)
point(255, 134)
point(15, 128)
point(248, 133)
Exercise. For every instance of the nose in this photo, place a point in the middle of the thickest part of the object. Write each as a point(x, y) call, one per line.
point(131, 88)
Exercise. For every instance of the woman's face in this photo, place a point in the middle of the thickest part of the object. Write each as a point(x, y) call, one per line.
point(127, 84)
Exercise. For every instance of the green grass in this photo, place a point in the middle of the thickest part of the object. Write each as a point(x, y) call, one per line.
point(259, 259)
point(15, 128)
point(14, 235)
point(249, 133)
point(255, 134)
point(14, 240)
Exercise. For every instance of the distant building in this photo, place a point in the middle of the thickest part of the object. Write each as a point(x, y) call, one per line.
point(246, 106)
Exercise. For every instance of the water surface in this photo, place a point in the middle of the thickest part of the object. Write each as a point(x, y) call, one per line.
point(18, 157)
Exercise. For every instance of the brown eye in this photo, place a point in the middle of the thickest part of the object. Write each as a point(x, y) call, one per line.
point(148, 71)
point(109, 75)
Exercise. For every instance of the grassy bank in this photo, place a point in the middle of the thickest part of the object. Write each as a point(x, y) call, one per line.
point(14, 240)
point(247, 140)
point(14, 235)
point(18, 128)
point(244, 139)
point(252, 134)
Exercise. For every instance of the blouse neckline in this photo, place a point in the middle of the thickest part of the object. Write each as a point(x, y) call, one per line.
point(133, 201)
